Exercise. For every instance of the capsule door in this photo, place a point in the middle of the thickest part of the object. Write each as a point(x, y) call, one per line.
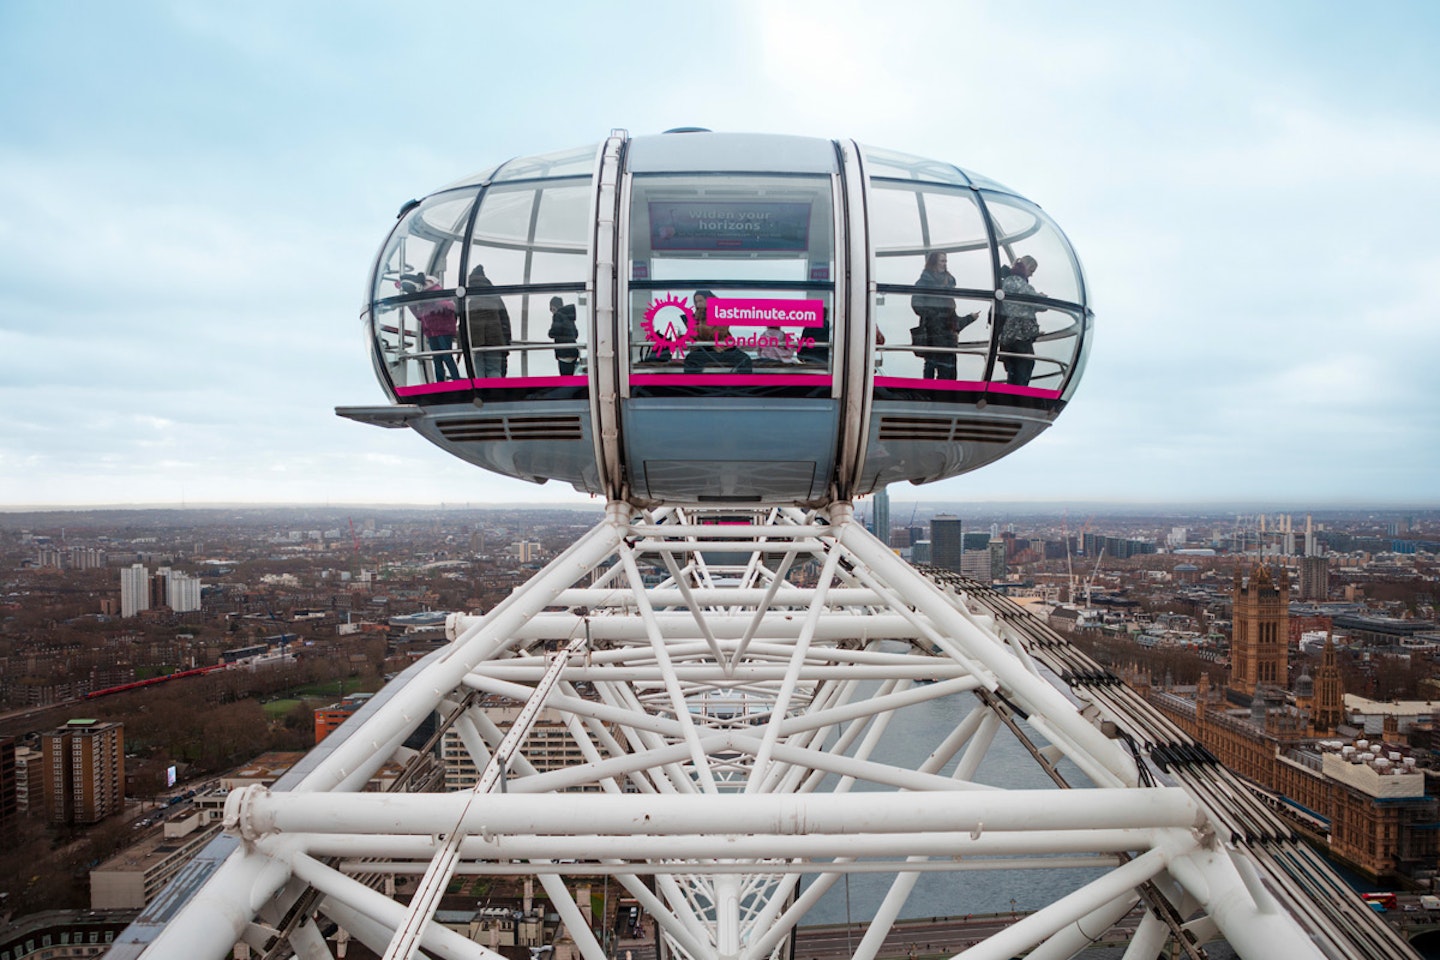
point(728, 379)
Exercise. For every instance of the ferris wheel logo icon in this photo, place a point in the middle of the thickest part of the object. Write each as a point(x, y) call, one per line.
point(669, 323)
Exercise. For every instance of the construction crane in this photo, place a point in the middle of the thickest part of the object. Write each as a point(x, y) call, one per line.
point(1090, 583)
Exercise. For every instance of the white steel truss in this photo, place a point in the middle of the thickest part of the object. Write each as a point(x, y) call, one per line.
point(728, 681)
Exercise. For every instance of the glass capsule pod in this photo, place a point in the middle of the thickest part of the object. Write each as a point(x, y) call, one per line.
point(699, 317)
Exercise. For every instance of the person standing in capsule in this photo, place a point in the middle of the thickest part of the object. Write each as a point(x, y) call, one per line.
point(438, 325)
point(563, 329)
point(938, 319)
point(1018, 326)
point(488, 324)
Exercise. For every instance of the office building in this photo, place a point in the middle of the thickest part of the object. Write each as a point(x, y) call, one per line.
point(132, 878)
point(328, 719)
point(882, 516)
point(998, 555)
point(134, 590)
point(975, 564)
point(84, 763)
point(947, 547)
point(548, 747)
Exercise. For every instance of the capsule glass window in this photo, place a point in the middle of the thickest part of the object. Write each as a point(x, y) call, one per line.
point(515, 335)
point(427, 242)
point(764, 331)
point(418, 339)
point(718, 228)
point(933, 337)
point(532, 233)
point(913, 225)
point(561, 163)
point(758, 243)
point(892, 164)
point(1036, 346)
point(1022, 229)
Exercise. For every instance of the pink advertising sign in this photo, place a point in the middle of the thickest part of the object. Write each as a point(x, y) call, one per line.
point(757, 312)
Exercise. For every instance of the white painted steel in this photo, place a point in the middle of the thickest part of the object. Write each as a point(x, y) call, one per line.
point(726, 718)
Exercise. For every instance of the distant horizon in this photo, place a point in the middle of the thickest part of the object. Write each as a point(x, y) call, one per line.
point(598, 505)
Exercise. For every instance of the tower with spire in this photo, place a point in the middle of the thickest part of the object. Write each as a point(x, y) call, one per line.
point(1260, 640)
point(1329, 710)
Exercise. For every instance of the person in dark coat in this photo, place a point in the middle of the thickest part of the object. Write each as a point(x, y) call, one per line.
point(564, 330)
point(488, 324)
point(938, 319)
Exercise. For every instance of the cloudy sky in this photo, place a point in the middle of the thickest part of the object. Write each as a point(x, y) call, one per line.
point(191, 194)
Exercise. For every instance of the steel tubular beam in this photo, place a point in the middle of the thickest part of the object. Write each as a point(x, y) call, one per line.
point(255, 811)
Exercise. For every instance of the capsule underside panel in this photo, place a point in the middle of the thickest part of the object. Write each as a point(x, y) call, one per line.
point(763, 451)
point(553, 442)
point(915, 442)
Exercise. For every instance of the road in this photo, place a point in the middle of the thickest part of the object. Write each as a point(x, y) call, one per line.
point(934, 937)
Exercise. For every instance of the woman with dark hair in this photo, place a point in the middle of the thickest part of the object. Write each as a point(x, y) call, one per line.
point(940, 325)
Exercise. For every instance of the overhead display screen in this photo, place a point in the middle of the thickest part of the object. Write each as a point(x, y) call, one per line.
point(738, 225)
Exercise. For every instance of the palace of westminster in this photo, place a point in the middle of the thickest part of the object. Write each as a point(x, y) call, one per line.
point(1327, 777)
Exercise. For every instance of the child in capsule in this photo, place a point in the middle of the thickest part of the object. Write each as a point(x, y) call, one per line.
point(778, 349)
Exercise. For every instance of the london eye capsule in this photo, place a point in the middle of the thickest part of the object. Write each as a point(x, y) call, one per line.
point(712, 318)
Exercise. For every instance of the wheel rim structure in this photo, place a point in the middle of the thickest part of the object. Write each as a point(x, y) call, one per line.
point(727, 679)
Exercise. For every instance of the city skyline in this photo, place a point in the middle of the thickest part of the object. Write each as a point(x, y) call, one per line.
point(186, 233)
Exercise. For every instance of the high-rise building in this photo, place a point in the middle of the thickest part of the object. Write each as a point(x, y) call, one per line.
point(84, 771)
point(947, 545)
point(976, 541)
point(85, 558)
point(9, 797)
point(976, 565)
point(159, 588)
point(1314, 578)
point(882, 516)
point(182, 592)
point(997, 559)
point(134, 590)
point(1260, 640)
point(29, 779)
